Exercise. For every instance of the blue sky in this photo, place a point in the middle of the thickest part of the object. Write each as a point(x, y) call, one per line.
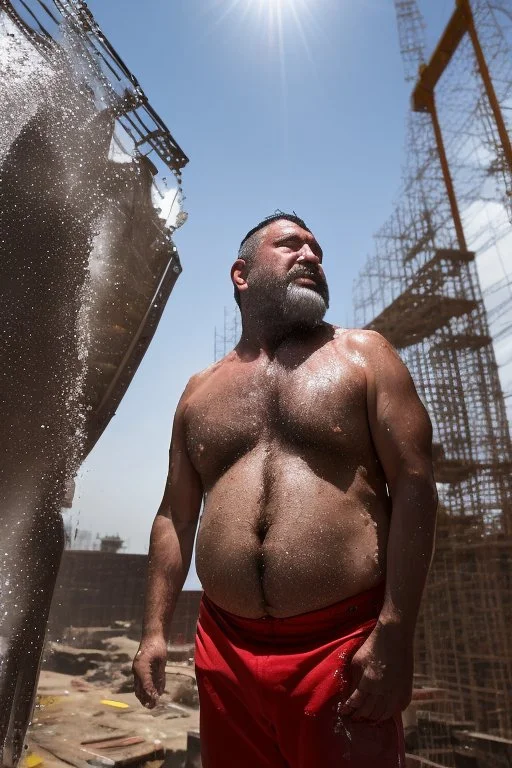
point(318, 129)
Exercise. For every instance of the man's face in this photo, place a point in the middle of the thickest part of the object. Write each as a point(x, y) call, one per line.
point(286, 279)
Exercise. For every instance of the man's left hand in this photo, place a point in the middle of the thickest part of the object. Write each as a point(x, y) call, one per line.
point(381, 676)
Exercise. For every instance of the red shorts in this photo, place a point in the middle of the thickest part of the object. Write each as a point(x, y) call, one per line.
point(269, 690)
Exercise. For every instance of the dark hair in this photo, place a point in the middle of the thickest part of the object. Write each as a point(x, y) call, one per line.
point(250, 243)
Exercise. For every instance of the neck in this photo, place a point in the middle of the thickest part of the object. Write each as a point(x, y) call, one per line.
point(260, 336)
point(266, 335)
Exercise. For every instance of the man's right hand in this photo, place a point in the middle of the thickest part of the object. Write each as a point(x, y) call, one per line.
point(149, 670)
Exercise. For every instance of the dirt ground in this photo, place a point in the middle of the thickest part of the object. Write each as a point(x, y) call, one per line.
point(94, 718)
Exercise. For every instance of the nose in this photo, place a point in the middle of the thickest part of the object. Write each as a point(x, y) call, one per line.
point(307, 255)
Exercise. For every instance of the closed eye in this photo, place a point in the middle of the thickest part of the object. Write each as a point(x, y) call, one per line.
point(295, 243)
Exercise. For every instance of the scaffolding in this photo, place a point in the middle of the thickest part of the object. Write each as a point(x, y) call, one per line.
point(225, 339)
point(439, 288)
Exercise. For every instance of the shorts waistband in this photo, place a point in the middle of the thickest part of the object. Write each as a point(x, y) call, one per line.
point(351, 612)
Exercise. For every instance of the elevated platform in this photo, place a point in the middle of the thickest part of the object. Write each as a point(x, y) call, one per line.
point(424, 307)
point(456, 471)
point(450, 470)
point(413, 317)
point(461, 341)
point(452, 254)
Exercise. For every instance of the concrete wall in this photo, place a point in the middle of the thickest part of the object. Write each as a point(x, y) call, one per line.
point(96, 588)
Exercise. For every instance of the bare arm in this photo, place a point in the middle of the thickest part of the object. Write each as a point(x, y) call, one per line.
point(170, 553)
point(402, 435)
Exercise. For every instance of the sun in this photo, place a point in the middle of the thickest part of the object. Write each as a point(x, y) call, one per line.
point(272, 14)
point(275, 5)
point(277, 11)
point(269, 20)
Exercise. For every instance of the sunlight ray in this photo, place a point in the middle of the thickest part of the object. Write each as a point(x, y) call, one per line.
point(271, 17)
point(302, 34)
point(232, 6)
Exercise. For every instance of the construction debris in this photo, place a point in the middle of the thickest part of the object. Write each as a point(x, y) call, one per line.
point(92, 718)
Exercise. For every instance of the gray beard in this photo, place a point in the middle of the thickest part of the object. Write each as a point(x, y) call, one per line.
point(286, 305)
point(303, 306)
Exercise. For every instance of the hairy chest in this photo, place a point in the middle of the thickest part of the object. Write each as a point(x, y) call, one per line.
point(318, 404)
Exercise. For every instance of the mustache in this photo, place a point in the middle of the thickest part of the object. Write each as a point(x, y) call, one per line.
point(312, 274)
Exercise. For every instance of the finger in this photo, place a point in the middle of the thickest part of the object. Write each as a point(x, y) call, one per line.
point(388, 713)
point(148, 699)
point(353, 702)
point(136, 686)
point(148, 692)
point(366, 708)
point(160, 677)
point(136, 682)
point(356, 673)
point(379, 709)
point(151, 694)
point(142, 695)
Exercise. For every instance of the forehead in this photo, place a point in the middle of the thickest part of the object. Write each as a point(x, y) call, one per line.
point(283, 228)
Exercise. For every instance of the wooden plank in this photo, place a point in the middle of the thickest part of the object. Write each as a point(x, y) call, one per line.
point(97, 757)
point(102, 737)
point(138, 753)
point(64, 752)
point(49, 760)
point(116, 743)
point(79, 757)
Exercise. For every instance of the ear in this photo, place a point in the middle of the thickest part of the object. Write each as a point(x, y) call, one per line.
point(239, 274)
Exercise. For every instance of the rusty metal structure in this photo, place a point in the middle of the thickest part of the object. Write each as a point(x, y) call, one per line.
point(439, 288)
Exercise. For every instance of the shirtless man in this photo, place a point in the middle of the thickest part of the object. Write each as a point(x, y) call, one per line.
point(312, 452)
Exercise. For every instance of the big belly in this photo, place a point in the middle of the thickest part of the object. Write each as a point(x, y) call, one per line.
point(320, 545)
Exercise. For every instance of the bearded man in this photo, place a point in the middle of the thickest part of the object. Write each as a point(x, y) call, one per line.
point(312, 452)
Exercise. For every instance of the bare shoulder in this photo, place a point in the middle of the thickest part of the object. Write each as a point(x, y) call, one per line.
point(367, 348)
point(201, 379)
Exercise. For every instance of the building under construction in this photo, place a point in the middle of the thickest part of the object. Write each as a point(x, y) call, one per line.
point(227, 336)
point(439, 288)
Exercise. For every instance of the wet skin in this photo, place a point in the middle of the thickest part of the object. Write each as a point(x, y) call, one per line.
point(296, 513)
point(293, 441)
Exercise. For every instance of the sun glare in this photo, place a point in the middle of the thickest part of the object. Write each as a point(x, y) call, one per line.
point(269, 20)
point(272, 15)
point(278, 12)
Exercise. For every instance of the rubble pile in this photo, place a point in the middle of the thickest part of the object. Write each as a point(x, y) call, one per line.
point(87, 713)
point(104, 657)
